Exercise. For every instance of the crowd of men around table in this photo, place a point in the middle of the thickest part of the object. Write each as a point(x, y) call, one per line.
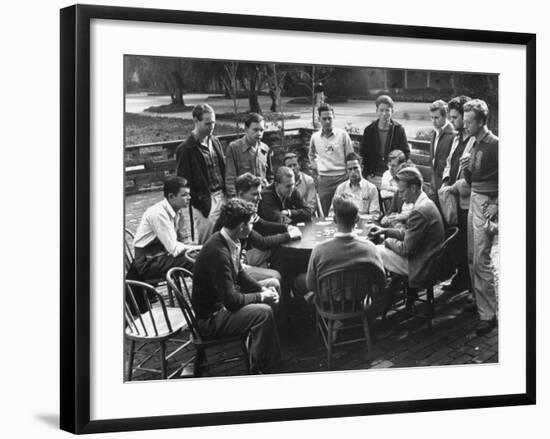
point(243, 210)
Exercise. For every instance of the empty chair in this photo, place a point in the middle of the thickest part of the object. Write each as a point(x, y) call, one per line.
point(149, 320)
point(178, 281)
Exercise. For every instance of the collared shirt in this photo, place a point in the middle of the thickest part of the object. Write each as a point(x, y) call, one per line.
point(242, 157)
point(438, 133)
point(215, 177)
point(305, 186)
point(328, 152)
point(345, 235)
point(161, 222)
point(364, 196)
point(459, 148)
point(234, 249)
point(388, 186)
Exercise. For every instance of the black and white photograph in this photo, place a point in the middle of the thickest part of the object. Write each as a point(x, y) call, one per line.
point(298, 218)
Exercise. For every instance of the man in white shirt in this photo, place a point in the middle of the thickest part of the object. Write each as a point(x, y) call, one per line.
point(328, 149)
point(158, 242)
point(359, 190)
point(388, 187)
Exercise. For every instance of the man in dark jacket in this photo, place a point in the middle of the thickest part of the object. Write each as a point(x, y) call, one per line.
point(379, 138)
point(200, 160)
point(226, 300)
point(281, 202)
point(442, 139)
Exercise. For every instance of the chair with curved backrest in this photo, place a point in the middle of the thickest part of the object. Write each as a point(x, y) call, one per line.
point(191, 254)
point(149, 320)
point(129, 259)
point(178, 281)
point(346, 296)
point(441, 268)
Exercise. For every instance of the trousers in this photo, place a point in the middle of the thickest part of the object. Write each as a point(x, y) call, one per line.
point(327, 187)
point(256, 319)
point(204, 227)
point(482, 273)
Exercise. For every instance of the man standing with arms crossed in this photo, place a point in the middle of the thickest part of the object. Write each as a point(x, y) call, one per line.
point(328, 149)
point(201, 162)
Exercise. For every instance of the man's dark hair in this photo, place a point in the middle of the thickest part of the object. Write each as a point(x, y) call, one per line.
point(252, 118)
point(410, 175)
point(288, 156)
point(345, 210)
point(354, 156)
point(324, 107)
point(235, 212)
point(441, 106)
point(480, 109)
point(200, 109)
point(246, 181)
point(172, 185)
point(384, 99)
point(458, 104)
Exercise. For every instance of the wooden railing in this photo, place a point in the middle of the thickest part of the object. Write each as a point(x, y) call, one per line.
point(147, 165)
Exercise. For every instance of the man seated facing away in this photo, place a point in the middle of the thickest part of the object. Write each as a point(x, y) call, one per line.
point(304, 184)
point(158, 242)
point(281, 202)
point(264, 239)
point(408, 251)
point(363, 193)
point(226, 300)
point(344, 251)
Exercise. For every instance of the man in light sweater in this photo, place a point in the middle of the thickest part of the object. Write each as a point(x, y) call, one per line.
point(328, 149)
point(481, 172)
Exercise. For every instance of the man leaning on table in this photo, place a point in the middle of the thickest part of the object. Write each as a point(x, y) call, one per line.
point(407, 251)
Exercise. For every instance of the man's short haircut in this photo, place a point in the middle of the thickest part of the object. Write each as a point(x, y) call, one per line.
point(235, 212)
point(480, 109)
point(440, 105)
point(324, 107)
point(384, 99)
point(397, 154)
point(172, 185)
point(288, 156)
point(252, 118)
point(457, 104)
point(345, 210)
point(282, 172)
point(410, 175)
point(354, 156)
point(246, 181)
point(200, 109)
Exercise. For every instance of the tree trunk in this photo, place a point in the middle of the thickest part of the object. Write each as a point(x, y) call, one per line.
point(253, 104)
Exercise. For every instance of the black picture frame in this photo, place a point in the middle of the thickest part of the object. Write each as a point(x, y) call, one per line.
point(75, 217)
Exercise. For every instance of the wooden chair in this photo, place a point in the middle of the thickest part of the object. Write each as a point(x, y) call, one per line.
point(129, 259)
point(178, 280)
point(191, 255)
point(149, 320)
point(345, 296)
point(441, 268)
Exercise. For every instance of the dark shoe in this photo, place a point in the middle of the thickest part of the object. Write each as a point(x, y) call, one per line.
point(485, 326)
point(470, 307)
